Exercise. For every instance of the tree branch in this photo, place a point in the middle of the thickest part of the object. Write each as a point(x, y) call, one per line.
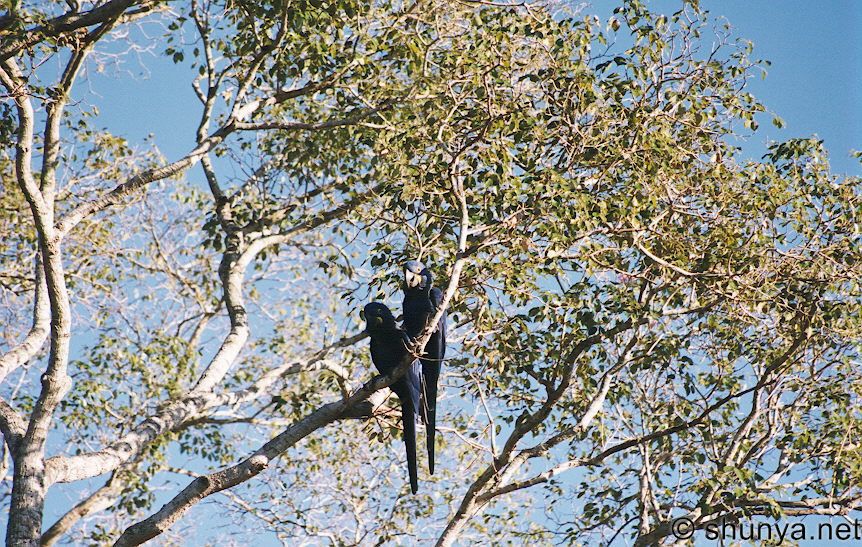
point(354, 118)
point(68, 22)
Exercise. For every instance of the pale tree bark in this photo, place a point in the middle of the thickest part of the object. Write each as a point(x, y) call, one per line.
point(234, 263)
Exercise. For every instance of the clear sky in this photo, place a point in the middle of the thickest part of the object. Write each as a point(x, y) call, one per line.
point(814, 84)
point(815, 81)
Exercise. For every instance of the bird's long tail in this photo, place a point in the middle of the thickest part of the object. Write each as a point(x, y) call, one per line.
point(408, 417)
point(430, 374)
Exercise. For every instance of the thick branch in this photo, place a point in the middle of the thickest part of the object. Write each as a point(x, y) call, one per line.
point(57, 105)
point(66, 23)
point(140, 180)
point(11, 425)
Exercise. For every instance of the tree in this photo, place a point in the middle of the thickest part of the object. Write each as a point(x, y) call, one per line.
point(646, 325)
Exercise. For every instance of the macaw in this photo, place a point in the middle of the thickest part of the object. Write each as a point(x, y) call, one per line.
point(388, 350)
point(421, 302)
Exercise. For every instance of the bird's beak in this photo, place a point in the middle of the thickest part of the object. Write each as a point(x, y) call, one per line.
point(412, 279)
point(362, 314)
point(378, 320)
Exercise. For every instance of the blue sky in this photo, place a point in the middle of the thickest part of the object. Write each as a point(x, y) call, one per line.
point(814, 84)
point(815, 81)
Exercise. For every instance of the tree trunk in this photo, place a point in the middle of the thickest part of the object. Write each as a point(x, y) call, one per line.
point(28, 500)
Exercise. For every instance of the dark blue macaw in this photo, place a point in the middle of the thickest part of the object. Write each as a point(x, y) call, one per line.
point(388, 350)
point(421, 301)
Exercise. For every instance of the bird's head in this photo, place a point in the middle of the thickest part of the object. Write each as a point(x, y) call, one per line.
point(414, 274)
point(377, 316)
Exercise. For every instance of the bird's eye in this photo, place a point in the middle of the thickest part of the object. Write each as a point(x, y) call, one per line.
point(362, 314)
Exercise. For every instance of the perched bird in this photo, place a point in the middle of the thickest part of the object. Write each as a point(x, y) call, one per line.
point(388, 351)
point(421, 301)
